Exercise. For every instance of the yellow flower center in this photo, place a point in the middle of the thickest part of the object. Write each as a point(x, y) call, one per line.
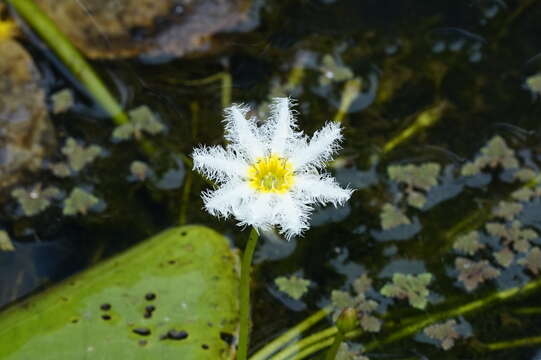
point(271, 174)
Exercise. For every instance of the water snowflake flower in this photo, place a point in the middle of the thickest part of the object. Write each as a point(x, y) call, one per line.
point(270, 175)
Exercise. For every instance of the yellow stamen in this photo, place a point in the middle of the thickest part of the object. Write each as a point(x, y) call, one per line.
point(271, 174)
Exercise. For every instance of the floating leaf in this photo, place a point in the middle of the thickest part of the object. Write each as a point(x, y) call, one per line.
point(362, 284)
point(523, 194)
point(392, 217)
point(525, 174)
point(514, 234)
point(5, 242)
point(504, 257)
point(142, 119)
point(370, 323)
point(174, 296)
point(341, 299)
point(345, 354)
point(333, 71)
point(79, 202)
point(468, 243)
point(507, 210)
point(416, 199)
point(140, 170)
point(532, 260)
point(62, 100)
point(422, 176)
point(411, 287)
point(497, 153)
point(293, 286)
point(473, 273)
point(35, 200)
point(78, 155)
point(446, 333)
point(60, 169)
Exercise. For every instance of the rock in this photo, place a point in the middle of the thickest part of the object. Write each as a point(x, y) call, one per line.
point(107, 29)
point(25, 129)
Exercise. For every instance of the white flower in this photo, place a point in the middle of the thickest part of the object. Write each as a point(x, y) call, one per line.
point(270, 175)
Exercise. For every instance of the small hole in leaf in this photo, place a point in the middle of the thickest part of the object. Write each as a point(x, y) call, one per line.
point(205, 347)
point(106, 317)
point(227, 337)
point(150, 296)
point(142, 331)
point(184, 233)
point(105, 307)
point(175, 335)
point(142, 342)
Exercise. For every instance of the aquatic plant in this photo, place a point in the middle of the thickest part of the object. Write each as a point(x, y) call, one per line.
point(268, 176)
point(293, 286)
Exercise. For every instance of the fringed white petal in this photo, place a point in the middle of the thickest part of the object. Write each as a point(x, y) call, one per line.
point(322, 189)
point(259, 212)
point(243, 133)
point(217, 164)
point(291, 216)
point(228, 199)
point(281, 125)
point(319, 149)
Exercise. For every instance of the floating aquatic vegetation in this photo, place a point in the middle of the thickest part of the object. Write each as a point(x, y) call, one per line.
point(36, 199)
point(468, 243)
point(411, 287)
point(60, 169)
point(78, 155)
point(495, 153)
point(79, 202)
point(446, 333)
point(142, 120)
point(344, 353)
point(526, 193)
point(267, 174)
point(5, 242)
point(514, 234)
point(416, 178)
point(525, 174)
point(333, 71)
point(62, 101)
point(532, 260)
point(342, 299)
point(391, 217)
point(293, 286)
point(507, 210)
point(140, 170)
point(504, 257)
point(533, 83)
point(473, 273)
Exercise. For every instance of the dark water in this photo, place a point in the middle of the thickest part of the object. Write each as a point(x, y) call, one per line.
point(411, 56)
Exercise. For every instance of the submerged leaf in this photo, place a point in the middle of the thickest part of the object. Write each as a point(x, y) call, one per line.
point(341, 299)
point(411, 287)
point(78, 155)
point(60, 169)
point(514, 234)
point(79, 202)
point(392, 217)
point(333, 71)
point(293, 286)
point(473, 273)
point(142, 119)
point(525, 174)
point(468, 243)
point(496, 152)
point(36, 200)
point(362, 284)
point(140, 170)
point(5, 242)
point(445, 333)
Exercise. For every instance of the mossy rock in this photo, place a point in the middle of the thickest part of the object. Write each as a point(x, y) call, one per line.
point(174, 296)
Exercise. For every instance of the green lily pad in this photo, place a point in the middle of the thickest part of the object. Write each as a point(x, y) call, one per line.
point(173, 296)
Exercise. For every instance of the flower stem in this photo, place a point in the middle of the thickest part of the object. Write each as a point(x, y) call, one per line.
point(244, 332)
point(317, 338)
point(331, 353)
point(290, 334)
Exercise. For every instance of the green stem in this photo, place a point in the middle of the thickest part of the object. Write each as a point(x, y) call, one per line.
point(70, 56)
point(331, 353)
point(321, 336)
point(530, 341)
point(244, 332)
point(290, 334)
point(314, 348)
